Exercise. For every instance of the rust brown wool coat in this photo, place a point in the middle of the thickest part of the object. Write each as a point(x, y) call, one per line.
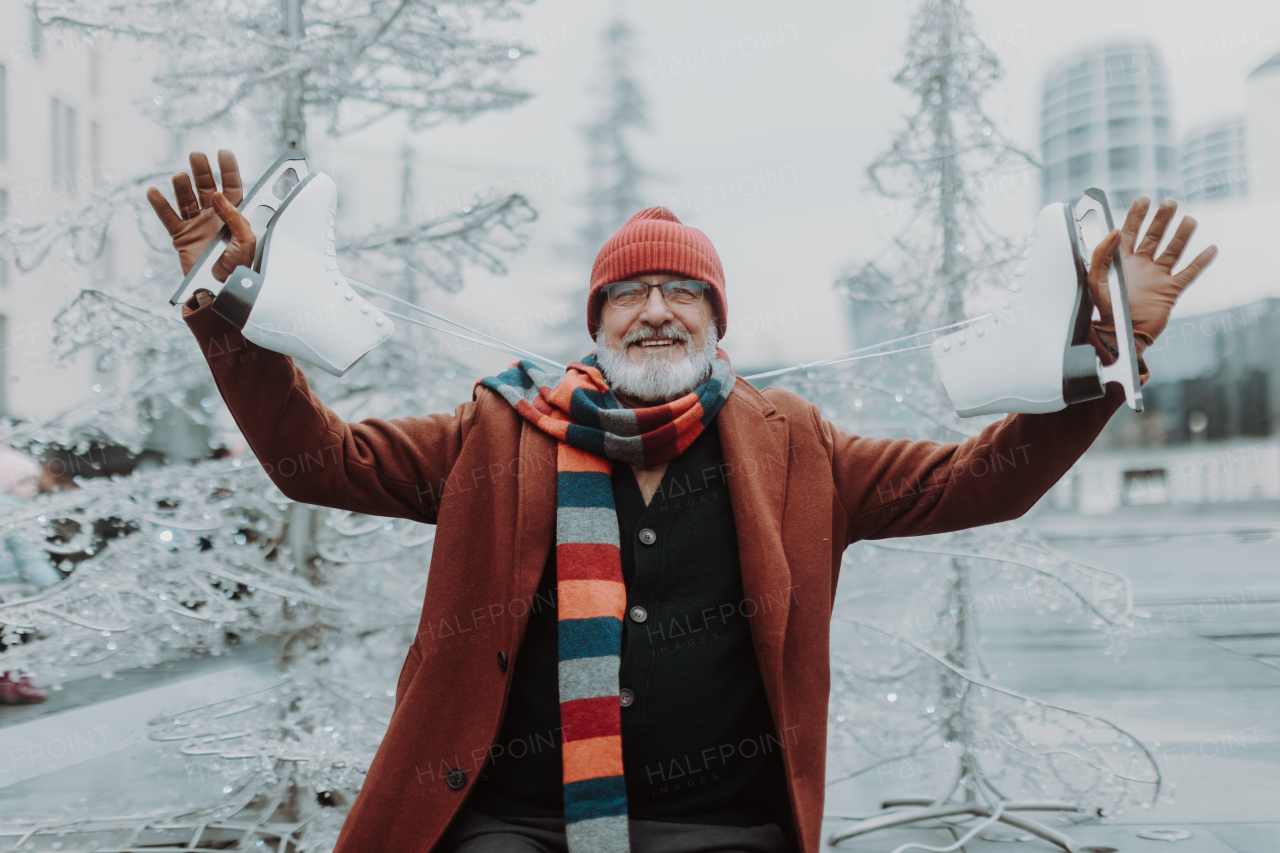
point(802, 492)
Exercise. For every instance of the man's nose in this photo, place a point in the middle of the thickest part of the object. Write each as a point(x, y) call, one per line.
point(656, 310)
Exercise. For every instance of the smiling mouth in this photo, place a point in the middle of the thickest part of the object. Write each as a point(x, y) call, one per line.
point(658, 347)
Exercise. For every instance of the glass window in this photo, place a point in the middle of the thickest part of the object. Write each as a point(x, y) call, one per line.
point(1123, 159)
point(4, 366)
point(70, 155)
point(95, 152)
point(55, 137)
point(1080, 100)
point(4, 113)
point(1079, 166)
point(4, 262)
point(33, 31)
point(1123, 129)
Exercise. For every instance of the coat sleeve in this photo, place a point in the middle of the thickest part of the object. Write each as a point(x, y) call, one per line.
point(898, 487)
point(393, 467)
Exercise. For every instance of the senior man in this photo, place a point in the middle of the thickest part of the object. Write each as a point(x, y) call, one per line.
point(624, 638)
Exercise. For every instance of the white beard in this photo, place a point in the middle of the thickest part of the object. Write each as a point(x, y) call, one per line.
point(657, 379)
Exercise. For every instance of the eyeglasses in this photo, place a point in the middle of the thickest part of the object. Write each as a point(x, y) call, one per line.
point(629, 294)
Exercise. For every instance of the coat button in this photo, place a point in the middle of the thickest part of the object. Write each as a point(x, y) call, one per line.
point(648, 537)
point(639, 614)
point(502, 661)
point(625, 696)
point(456, 779)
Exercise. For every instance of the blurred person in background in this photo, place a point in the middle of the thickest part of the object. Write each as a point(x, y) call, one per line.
point(24, 569)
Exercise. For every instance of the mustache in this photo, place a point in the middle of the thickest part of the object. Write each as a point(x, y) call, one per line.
point(666, 333)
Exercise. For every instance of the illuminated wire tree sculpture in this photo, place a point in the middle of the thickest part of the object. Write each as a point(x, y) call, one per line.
point(910, 680)
point(204, 557)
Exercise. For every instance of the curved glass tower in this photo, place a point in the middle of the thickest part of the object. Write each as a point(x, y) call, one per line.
point(1105, 122)
point(1212, 161)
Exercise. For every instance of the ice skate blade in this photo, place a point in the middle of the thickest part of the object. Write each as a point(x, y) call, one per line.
point(294, 303)
point(259, 205)
point(1092, 213)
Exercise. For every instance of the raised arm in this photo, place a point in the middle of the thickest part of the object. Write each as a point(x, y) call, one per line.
point(899, 487)
point(391, 467)
point(911, 488)
point(394, 467)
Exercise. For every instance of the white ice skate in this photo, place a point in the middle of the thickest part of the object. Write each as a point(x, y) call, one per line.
point(1030, 355)
point(258, 206)
point(296, 301)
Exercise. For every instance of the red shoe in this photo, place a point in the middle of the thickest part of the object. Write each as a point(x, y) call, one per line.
point(20, 692)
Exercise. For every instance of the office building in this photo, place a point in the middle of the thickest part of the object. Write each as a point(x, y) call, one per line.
point(1106, 122)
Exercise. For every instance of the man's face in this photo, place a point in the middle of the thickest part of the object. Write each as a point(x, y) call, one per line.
point(642, 330)
point(656, 351)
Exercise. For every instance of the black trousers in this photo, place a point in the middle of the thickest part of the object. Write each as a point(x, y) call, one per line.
point(475, 832)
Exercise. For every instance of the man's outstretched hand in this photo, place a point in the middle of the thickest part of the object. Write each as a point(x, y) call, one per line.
point(202, 213)
point(1152, 285)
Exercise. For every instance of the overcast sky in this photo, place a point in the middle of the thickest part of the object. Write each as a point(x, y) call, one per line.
point(796, 96)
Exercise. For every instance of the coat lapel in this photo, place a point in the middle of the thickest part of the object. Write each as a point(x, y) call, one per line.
point(753, 437)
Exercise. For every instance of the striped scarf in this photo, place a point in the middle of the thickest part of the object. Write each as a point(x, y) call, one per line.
point(592, 430)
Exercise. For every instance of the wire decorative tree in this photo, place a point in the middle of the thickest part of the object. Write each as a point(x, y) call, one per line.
point(914, 680)
point(615, 176)
point(349, 63)
point(204, 557)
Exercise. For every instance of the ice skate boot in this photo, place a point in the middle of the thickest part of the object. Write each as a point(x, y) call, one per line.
point(296, 301)
point(258, 206)
point(1093, 218)
point(1029, 355)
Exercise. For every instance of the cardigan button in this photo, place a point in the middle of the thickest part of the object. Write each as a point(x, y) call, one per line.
point(456, 779)
point(625, 697)
point(502, 661)
point(639, 614)
point(648, 537)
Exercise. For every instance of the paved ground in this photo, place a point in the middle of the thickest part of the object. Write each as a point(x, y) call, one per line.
point(1199, 684)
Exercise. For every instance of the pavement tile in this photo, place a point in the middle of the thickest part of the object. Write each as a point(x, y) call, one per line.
point(1090, 838)
point(1099, 838)
point(886, 840)
point(1248, 837)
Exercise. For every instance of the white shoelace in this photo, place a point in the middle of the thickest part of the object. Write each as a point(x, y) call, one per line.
point(476, 336)
point(489, 341)
point(867, 352)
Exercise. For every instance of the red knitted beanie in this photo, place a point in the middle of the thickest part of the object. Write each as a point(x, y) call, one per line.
point(655, 241)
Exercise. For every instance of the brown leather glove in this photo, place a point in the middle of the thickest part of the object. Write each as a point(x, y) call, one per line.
point(203, 212)
point(1153, 288)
